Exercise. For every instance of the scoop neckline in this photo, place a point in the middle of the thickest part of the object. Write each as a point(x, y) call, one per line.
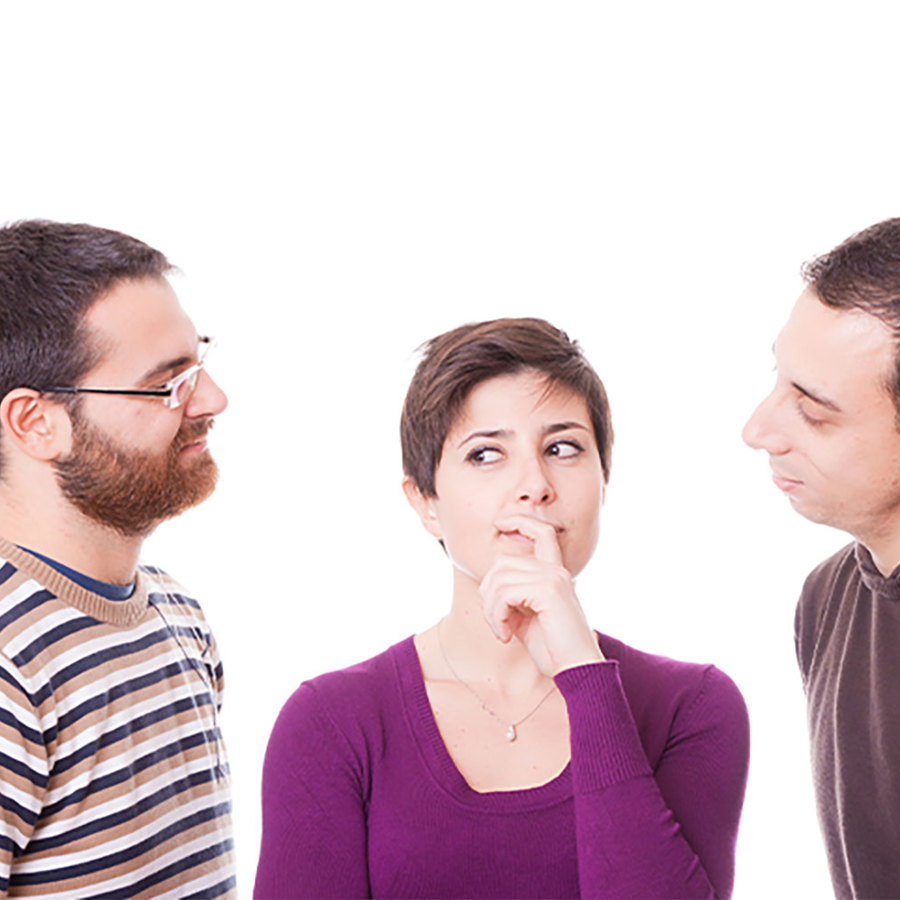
point(437, 760)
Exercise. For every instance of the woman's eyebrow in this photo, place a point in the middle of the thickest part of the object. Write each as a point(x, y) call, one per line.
point(495, 433)
point(563, 426)
point(506, 433)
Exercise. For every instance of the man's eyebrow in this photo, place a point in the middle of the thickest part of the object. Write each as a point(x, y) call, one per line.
point(164, 367)
point(495, 433)
point(817, 398)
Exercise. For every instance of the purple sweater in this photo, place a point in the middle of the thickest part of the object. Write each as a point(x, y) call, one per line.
point(361, 798)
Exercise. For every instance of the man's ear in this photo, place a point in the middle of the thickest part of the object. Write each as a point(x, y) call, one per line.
point(424, 506)
point(38, 427)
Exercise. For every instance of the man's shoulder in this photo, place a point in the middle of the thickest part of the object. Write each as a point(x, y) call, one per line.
point(163, 589)
point(819, 605)
point(841, 562)
point(30, 610)
point(159, 579)
point(831, 576)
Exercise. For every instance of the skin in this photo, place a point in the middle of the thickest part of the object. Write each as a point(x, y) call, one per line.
point(519, 491)
point(830, 426)
point(146, 339)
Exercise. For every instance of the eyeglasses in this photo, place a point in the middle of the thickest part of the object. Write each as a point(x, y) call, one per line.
point(175, 392)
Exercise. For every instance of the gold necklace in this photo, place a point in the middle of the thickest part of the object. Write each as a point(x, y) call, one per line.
point(511, 727)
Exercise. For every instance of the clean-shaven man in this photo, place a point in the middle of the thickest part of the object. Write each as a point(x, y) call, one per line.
point(113, 776)
point(831, 427)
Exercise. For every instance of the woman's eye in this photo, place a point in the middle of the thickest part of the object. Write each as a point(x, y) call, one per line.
point(564, 449)
point(480, 456)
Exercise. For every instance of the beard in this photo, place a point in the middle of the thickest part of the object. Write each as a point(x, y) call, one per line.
point(132, 491)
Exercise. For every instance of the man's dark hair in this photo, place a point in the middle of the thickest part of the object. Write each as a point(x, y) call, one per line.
point(455, 362)
point(864, 273)
point(51, 274)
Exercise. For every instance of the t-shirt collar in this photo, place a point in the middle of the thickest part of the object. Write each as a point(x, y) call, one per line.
point(873, 579)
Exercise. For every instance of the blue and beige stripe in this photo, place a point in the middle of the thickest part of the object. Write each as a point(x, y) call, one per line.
point(112, 771)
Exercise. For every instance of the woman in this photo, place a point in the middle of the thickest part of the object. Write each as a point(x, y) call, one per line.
point(509, 751)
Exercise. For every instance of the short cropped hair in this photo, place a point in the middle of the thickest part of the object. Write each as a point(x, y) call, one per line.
point(51, 273)
point(863, 273)
point(455, 362)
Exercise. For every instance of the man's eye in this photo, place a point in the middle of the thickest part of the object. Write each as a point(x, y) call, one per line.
point(481, 456)
point(807, 417)
point(564, 449)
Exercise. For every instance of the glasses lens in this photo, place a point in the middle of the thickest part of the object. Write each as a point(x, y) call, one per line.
point(183, 388)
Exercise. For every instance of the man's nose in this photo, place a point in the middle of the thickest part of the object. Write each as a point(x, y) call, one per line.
point(208, 398)
point(762, 431)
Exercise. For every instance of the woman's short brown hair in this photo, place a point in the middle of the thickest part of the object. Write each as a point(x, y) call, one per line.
point(455, 362)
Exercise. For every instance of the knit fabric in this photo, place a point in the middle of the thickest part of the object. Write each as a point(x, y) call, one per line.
point(113, 776)
point(848, 647)
point(361, 798)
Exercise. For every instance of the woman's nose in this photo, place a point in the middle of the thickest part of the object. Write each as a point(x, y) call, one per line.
point(534, 486)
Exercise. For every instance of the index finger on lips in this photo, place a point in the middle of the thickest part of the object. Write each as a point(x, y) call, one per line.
point(546, 543)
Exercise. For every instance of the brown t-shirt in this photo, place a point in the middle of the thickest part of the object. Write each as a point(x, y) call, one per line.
point(847, 633)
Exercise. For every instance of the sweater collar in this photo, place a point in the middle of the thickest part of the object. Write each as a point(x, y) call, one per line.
point(114, 612)
point(888, 587)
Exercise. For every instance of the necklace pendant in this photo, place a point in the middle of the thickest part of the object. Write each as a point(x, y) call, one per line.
point(511, 733)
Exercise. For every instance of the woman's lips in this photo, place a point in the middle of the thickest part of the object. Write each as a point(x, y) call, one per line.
point(517, 536)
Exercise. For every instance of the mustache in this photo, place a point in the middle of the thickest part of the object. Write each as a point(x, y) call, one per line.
point(191, 432)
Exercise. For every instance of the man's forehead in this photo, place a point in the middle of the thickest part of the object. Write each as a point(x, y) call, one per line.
point(834, 350)
point(814, 324)
point(141, 321)
point(133, 299)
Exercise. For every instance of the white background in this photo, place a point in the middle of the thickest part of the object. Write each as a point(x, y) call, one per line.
point(341, 181)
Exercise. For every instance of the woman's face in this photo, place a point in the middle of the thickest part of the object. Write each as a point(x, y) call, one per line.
point(517, 450)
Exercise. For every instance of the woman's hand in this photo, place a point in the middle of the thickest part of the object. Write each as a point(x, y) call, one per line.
point(532, 598)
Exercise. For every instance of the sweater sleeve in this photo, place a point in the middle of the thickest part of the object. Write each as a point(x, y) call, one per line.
point(218, 671)
point(314, 831)
point(24, 768)
point(668, 832)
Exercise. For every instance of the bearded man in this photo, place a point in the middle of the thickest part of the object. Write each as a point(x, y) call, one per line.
point(113, 776)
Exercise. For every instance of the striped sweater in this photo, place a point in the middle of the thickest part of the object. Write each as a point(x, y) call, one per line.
point(113, 776)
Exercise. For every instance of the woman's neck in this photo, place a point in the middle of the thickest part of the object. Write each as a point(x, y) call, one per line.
point(465, 641)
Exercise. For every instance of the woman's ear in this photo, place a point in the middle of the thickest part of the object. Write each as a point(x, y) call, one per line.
point(424, 506)
point(36, 426)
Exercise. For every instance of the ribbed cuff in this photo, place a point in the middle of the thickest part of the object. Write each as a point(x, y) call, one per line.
point(606, 747)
